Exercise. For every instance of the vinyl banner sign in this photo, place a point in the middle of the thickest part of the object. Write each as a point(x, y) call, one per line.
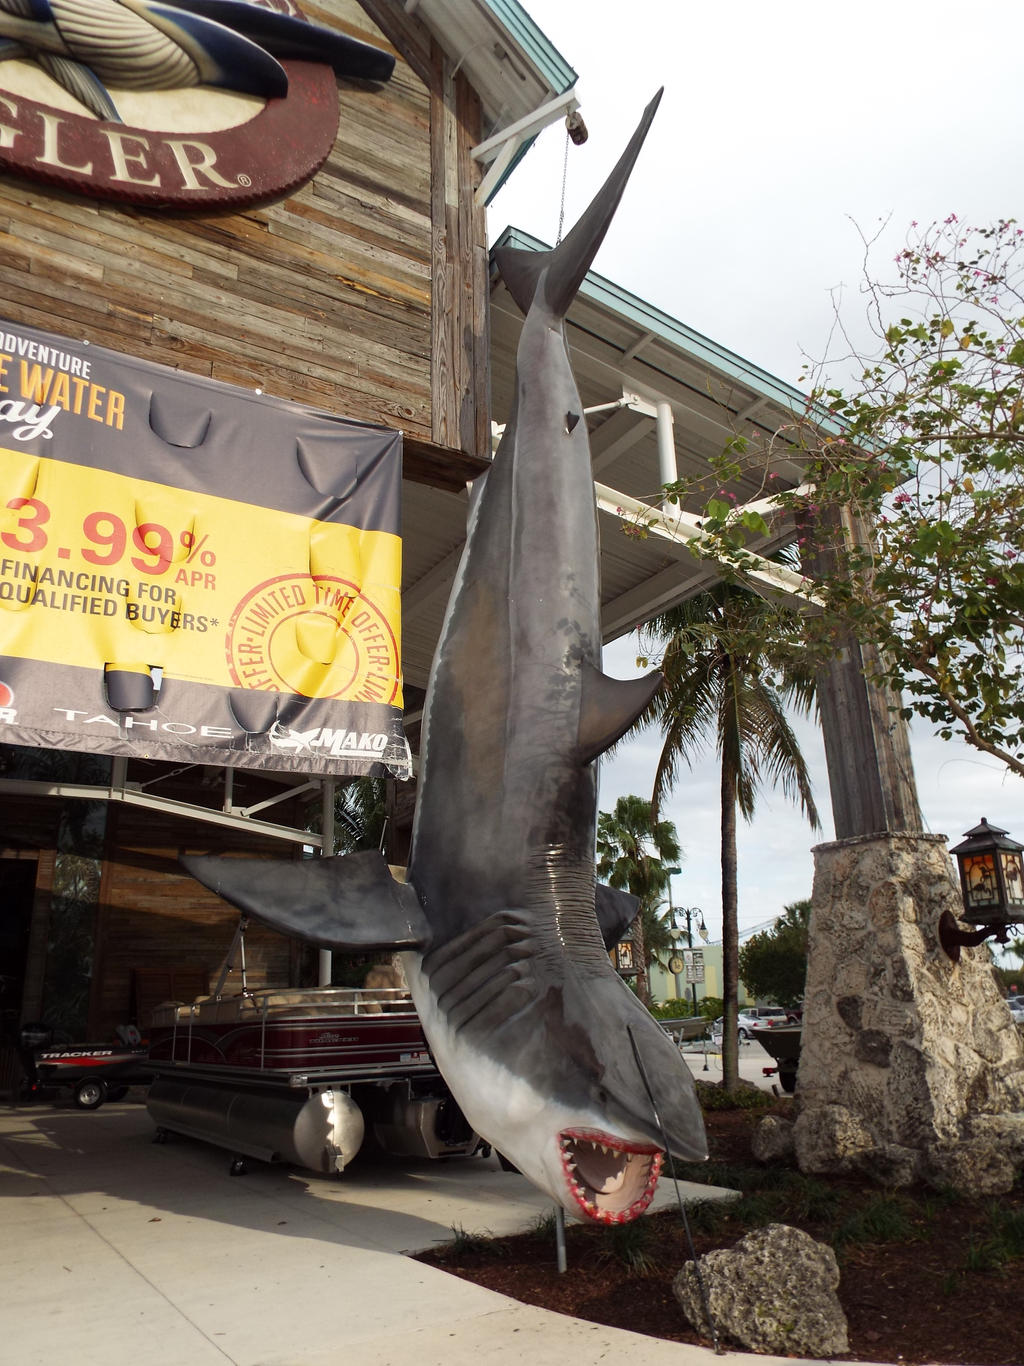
point(193, 571)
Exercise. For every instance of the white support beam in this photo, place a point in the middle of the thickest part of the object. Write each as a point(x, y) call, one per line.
point(668, 471)
point(528, 126)
point(683, 528)
point(281, 797)
point(325, 958)
point(133, 797)
point(498, 151)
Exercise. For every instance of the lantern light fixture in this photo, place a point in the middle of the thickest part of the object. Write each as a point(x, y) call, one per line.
point(991, 868)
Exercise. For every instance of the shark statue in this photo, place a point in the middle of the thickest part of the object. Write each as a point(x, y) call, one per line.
point(503, 927)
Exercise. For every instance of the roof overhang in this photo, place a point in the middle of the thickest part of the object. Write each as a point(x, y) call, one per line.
point(661, 401)
point(523, 83)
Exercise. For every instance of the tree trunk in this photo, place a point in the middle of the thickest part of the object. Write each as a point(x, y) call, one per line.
point(643, 982)
point(730, 931)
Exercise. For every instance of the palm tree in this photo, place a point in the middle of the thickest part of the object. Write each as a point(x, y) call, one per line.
point(634, 851)
point(727, 683)
point(360, 815)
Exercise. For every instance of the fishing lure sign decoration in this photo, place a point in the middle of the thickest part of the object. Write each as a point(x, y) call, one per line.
point(189, 570)
point(198, 103)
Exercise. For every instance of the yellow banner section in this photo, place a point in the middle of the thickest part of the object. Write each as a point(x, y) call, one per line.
point(105, 571)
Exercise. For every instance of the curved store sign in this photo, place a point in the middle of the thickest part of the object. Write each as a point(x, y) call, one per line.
point(211, 103)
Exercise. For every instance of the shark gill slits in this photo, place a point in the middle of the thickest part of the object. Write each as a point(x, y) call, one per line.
point(571, 420)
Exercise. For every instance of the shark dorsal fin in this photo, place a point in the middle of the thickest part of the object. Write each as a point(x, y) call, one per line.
point(609, 706)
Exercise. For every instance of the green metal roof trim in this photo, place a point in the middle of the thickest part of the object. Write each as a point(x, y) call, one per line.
point(548, 60)
point(669, 330)
point(550, 63)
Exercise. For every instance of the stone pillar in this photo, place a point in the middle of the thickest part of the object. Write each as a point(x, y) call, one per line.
point(910, 1066)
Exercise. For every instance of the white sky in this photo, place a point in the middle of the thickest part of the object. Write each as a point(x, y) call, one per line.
point(783, 128)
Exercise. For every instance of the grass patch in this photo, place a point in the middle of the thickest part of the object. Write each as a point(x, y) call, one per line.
point(1004, 1245)
point(881, 1219)
point(630, 1244)
point(479, 1245)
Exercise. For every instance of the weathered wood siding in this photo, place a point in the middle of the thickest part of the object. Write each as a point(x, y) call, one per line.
point(160, 934)
point(363, 292)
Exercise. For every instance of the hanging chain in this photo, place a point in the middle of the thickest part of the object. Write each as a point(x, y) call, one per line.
point(565, 176)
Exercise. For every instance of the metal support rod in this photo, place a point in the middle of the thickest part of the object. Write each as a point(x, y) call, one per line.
point(325, 962)
point(679, 1195)
point(560, 1238)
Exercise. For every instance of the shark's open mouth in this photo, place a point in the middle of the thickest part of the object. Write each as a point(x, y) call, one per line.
point(611, 1179)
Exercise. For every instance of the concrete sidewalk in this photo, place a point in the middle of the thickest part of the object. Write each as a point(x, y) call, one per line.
point(121, 1252)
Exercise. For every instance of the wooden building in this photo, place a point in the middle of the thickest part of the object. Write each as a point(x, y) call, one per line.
point(359, 288)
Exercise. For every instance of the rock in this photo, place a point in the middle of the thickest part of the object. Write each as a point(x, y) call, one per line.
point(1004, 1131)
point(831, 1140)
point(977, 1167)
point(891, 1165)
point(774, 1292)
point(772, 1140)
point(906, 1055)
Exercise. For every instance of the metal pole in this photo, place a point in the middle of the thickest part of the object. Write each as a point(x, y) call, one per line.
point(689, 940)
point(324, 963)
point(672, 918)
point(560, 1237)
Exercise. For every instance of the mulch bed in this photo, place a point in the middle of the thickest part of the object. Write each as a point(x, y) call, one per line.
point(925, 1277)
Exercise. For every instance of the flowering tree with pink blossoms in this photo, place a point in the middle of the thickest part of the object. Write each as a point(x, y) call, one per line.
point(922, 457)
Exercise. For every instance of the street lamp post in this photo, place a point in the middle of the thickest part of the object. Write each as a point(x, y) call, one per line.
point(692, 913)
point(672, 872)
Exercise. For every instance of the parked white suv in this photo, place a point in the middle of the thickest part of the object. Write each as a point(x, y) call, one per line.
point(746, 1019)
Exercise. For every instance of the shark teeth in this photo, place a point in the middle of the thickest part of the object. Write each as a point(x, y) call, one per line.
point(612, 1180)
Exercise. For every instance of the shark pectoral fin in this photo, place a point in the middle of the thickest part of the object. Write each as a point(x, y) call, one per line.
point(608, 708)
point(520, 271)
point(616, 911)
point(349, 902)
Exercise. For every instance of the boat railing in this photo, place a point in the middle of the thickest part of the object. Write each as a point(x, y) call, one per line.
point(263, 1006)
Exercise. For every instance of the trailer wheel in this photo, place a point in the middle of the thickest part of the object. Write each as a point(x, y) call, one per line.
point(90, 1094)
point(237, 1167)
point(787, 1079)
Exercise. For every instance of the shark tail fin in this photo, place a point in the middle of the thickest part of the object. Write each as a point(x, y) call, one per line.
point(564, 267)
point(349, 902)
point(608, 708)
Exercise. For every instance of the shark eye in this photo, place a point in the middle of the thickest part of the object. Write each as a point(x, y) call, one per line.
point(603, 1097)
point(571, 420)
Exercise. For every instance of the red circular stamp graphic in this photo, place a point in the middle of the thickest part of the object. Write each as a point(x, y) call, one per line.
point(313, 637)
